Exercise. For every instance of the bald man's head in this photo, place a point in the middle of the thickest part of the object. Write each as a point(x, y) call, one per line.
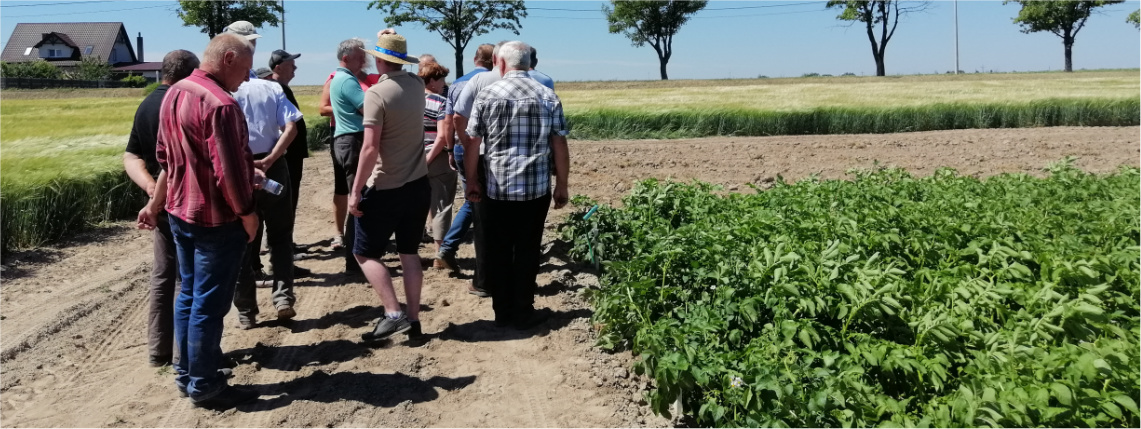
point(229, 57)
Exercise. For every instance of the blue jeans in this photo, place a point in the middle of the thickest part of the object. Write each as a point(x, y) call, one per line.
point(208, 261)
point(464, 218)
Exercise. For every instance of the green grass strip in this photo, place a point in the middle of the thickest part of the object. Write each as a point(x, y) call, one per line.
point(634, 124)
point(31, 215)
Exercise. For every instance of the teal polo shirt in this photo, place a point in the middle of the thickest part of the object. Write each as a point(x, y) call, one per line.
point(347, 99)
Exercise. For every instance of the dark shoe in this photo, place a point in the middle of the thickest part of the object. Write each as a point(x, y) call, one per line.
point(503, 322)
point(286, 312)
point(229, 397)
point(536, 318)
point(448, 260)
point(414, 331)
point(299, 272)
point(387, 328)
point(246, 323)
point(229, 362)
point(477, 291)
point(226, 372)
point(263, 279)
point(160, 361)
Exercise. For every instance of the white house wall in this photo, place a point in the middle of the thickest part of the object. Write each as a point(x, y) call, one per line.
point(44, 50)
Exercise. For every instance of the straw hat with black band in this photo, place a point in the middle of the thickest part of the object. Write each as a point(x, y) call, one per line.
point(392, 48)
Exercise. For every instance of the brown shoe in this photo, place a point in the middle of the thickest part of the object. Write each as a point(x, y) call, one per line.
point(438, 264)
point(286, 312)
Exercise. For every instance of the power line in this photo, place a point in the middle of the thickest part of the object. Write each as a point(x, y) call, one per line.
point(89, 12)
point(710, 9)
point(54, 4)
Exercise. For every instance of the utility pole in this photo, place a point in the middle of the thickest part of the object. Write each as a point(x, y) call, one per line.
point(283, 25)
point(956, 35)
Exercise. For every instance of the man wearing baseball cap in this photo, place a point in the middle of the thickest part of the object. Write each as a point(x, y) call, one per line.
point(247, 30)
point(282, 69)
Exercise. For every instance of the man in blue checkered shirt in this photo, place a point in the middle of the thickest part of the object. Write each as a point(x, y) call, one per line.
point(521, 125)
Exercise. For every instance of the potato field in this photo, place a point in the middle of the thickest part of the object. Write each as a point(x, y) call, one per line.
point(943, 301)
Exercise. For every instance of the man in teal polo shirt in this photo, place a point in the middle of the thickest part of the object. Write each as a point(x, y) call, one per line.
point(347, 100)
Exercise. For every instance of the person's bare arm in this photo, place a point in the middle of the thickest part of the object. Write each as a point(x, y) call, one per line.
point(437, 147)
point(562, 167)
point(287, 135)
point(471, 159)
point(325, 107)
point(370, 149)
point(137, 170)
point(148, 216)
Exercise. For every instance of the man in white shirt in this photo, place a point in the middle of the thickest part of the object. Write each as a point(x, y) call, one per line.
point(271, 119)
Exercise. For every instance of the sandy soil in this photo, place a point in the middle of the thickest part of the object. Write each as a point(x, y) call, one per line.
point(73, 345)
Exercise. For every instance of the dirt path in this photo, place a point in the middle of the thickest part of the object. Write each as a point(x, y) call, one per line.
point(73, 347)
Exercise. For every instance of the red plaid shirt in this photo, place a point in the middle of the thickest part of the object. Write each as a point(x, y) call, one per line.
point(203, 144)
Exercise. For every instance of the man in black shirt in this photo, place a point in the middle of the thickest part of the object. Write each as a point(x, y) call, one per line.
point(283, 68)
point(140, 163)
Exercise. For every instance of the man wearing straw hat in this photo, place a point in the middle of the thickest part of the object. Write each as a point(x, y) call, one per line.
point(392, 195)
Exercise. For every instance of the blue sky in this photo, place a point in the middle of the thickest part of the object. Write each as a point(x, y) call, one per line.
point(780, 38)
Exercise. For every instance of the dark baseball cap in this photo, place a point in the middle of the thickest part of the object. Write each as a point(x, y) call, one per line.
point(279, 56)
point(263, 72)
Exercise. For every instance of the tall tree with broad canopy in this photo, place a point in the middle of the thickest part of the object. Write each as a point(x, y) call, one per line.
point(214, 16)
point(880, 16)
point(1063, 18)
point(456, 21)
point(652, 22)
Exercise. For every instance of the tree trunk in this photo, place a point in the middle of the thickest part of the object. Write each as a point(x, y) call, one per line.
point(663, 62)
point(459, 63)
point(1069, 44)
point(880, 69)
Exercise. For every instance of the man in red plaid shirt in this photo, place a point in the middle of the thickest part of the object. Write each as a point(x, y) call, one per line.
point(206, 185)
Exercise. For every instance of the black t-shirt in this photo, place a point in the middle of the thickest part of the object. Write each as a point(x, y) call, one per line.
point(144, 133)
point(300, 146)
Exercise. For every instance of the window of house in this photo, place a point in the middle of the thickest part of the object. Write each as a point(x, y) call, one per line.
point(87, 50)
point(28, 51)
point(55, 53)
point(114, 56)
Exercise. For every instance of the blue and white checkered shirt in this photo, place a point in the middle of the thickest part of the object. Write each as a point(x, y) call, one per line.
point(516, 117)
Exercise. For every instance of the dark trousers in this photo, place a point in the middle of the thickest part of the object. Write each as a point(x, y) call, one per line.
point(296, 165)
point(511, 232)
point(276, 218)
point(164, 273)
point(346, 156)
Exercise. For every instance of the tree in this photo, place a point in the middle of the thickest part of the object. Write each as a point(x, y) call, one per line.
point(91, 68)
point(883, 14)
point(1063, 18)
point(36, 69)
point(652, 22)
point(1135, 18)
point(456, 21)
point(214, 16)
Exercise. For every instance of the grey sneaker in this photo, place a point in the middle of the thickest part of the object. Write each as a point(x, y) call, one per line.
point(387, 328)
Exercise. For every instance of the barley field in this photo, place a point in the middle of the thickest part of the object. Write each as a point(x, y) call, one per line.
point(66, 144)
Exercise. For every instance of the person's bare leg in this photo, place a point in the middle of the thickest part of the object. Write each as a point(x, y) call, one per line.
point(340, 211)
point(413, 274)
point(381, 281)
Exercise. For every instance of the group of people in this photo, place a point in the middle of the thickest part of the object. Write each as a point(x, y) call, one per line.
point(219, 148)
